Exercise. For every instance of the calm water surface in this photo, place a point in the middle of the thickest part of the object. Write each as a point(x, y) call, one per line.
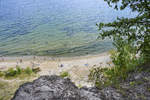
point(54, 27)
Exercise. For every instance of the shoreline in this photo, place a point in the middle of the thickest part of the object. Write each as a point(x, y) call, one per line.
point(77, 67)
point(49, 58)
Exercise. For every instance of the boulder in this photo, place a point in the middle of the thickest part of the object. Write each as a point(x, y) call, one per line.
point(136, 87)
point(53, 88)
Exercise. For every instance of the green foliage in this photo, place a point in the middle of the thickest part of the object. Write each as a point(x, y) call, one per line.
point(19, 70)
point(125, 54)
point(10, 72)
point(3, 85)
point(125, 62)
point(2, 74)
point(131, 36)
point(64, 74)
point(97, 75)
point(28, 71)
point(80, 86)
point(103, 77)
point(8, 88)
point(130, 30)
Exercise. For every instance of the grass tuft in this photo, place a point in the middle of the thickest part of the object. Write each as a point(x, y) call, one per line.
point(18, 72)
point(10, 72)
point(64, 74)
point(28, 71)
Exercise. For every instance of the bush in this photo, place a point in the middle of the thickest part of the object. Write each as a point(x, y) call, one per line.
point(125, 57)
point(97, 76)
point(2, 74)
point(19, 70)
point(125, 62)
point(28, 71)
point(64, 74)
point(10, 72)
point(103, 77)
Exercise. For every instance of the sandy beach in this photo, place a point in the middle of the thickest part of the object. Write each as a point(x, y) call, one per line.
point(77, 67)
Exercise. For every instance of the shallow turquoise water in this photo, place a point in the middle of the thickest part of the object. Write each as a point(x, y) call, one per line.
point(54, 27)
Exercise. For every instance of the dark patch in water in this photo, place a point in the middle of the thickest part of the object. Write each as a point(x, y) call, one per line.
point(70, 31)
point(91, 48)
point(81, 50)
point(3, 52)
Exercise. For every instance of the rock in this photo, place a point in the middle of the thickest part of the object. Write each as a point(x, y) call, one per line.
point(137, 86)
point(57, 88)
point(91, 93)
point(52, 88)
point(110, 93)
point(48, 88)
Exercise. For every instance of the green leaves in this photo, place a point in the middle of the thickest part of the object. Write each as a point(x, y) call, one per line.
point(131, 36)
point(135, 29)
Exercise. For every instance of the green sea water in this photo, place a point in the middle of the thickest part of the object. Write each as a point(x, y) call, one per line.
point(54, 27)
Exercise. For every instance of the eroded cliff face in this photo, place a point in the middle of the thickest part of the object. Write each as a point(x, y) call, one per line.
point(136, 87)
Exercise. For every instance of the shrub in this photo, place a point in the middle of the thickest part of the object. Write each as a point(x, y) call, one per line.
point(125, 62)
point(10, 72)
point(99, 77)
point(19, 70)
point(125, 58)
point(28, 71)
point(1, 74)
point(64, 74)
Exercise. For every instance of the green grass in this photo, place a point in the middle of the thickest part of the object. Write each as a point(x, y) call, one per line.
point(18, 72)
point(133, 83)
point(11, 72)
point(4, 90)
point(64, 74)
point(104, 77)
point(8, 88)
point(2, 73)
point(28, 71)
